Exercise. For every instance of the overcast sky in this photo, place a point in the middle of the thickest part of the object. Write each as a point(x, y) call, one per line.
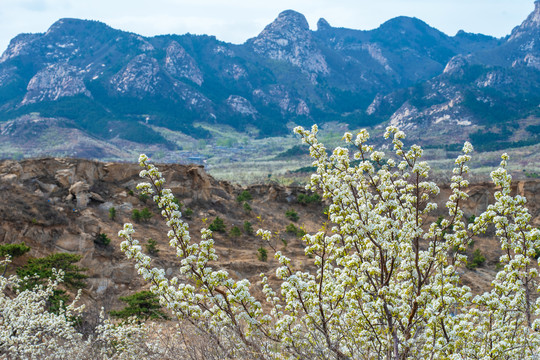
point(237, 20)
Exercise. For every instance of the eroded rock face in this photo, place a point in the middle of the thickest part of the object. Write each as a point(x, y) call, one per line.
point(288, 38)
point(331, 71)
point(62, 205)
point(140, 77)
point(79, 190)
point(323, 25)
point(54, 82)
point(179, 63)
point(455, 65)
point(523, 45)
point(376, 54)
point(7, 75)
point(531, 24)
point(235, 71)
point(20, 45)
point(241, 105)
point(279, 96)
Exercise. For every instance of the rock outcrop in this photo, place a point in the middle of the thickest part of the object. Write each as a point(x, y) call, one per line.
point(54, 82)
point(241, 105)
point(179, 63)
point(289, 39)
point(139, 78)
point(62, 205)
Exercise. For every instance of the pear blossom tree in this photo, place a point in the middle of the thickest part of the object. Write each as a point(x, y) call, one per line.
point(387, 284)
point(29, 331)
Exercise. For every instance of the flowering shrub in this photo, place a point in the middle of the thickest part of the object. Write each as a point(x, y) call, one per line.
point(29, 331)
point(387, 284)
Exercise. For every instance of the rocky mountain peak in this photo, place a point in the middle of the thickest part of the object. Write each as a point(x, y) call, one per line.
point(456, 65)
point(100, 75)
point(289, 38)
point(523, 47)
point(19, 45)
point(534, 17)
point(289, 25)
point(411, 28)
point(405, 22)
point(65, 22)
point(322, 25)
point(179, 63)
point(531, 23)
point(289, 20)
point(70, 26)
point(533, 20)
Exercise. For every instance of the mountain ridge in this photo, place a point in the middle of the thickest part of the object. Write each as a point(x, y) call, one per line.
point(106, 80)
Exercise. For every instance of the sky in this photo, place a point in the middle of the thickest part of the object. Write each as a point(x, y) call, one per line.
point(238, 20)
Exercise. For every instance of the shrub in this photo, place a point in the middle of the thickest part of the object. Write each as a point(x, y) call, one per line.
point(248, 228)
point(296, 231)
point(13, 250)
point(235, 232)
point(244, 196)
point(143, 305)
point(29, 331)
point(136, 215)
point(151, 246)
point(217, 225)
point(188, 213)
point(262, 254)
point(102, 240)
point(308, 199)
point(247, 207)
point(146, 214)
point(144, 197)
point(112, 213)
point(141, 215)
point(291, 215)
point(38, 271)
point(384, 285)
point(477, 260)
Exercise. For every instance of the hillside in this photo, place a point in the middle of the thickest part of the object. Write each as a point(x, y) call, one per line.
point(62, 205)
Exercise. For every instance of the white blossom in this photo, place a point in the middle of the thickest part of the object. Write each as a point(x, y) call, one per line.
point(386, 282)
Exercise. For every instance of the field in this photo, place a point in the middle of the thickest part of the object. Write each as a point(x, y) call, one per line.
point(246, 158)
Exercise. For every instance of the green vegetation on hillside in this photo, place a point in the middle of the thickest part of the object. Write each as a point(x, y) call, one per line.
point(143, 305)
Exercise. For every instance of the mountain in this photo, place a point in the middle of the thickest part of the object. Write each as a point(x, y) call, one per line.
point(490, 96)
point(109, 90)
